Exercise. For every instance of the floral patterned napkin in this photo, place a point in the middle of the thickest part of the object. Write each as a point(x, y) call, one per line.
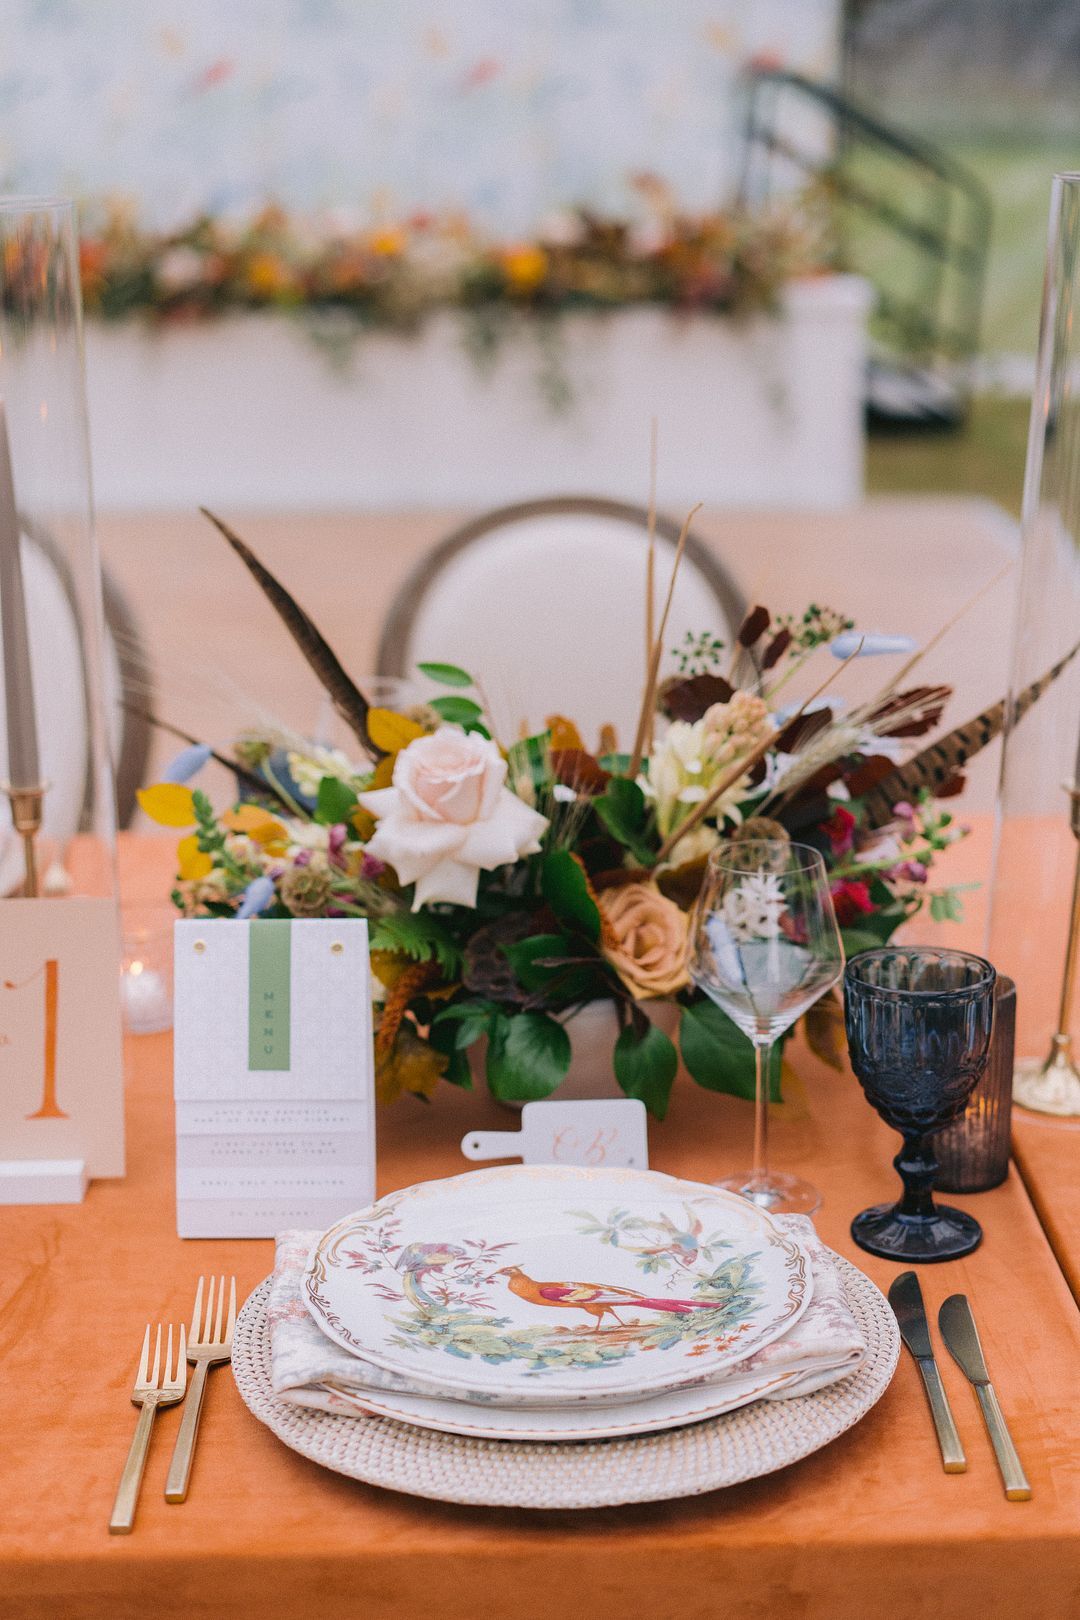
point(308, 1369)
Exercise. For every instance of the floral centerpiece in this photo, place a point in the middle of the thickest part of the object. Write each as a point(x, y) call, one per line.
point(508, 884)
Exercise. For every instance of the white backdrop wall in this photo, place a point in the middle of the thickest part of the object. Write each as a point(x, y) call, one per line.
point(506, 108)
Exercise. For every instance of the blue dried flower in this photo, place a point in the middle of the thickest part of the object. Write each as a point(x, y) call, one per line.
point(187, 763)
point(257, 896)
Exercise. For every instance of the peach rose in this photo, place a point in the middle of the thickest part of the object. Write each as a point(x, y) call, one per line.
point(645, 939)
point(449, 815)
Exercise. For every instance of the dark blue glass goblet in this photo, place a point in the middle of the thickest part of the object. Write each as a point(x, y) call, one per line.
point(919, 1022)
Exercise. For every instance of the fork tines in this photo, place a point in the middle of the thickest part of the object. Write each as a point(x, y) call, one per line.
point(206, 1329)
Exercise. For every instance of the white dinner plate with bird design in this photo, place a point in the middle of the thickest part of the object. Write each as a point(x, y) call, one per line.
point(548, 1285)
point(604, 1421)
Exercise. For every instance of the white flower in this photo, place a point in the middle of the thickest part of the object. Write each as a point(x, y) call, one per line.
point(308, 835)
point(449, 815)
point(691, 760)
point(180, 268)
point(308, 769)
point(697, 845)
point(753, 910)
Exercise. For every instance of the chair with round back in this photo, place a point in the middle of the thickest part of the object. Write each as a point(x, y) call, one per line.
point(544, 602)
point(58, 659)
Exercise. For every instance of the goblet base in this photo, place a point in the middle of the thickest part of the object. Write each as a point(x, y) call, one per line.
point(779, 1194)
point(945, 1235)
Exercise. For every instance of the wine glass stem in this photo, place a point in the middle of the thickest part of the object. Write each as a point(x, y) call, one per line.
point(759, 1175)
point(917, 1167)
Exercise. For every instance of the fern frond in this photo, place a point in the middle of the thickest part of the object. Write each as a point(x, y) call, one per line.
point(419, 935)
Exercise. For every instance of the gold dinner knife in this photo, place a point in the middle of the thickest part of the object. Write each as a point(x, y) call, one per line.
point(905, 1297)
point(961, 1336)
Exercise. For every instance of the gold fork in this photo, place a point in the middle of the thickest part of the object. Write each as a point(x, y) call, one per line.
point(210, 1342)
point(151, 1390)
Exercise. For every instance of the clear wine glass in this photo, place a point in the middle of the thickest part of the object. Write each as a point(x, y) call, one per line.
point(764, 947)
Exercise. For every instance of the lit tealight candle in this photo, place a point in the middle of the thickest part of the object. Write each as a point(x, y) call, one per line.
point(144, 995)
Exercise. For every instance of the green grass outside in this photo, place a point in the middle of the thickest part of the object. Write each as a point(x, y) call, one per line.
point(986, 457)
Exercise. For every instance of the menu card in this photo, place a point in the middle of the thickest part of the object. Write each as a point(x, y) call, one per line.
point(274, 1075)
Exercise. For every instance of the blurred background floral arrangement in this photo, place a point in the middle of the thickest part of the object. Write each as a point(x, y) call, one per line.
point(395, 275)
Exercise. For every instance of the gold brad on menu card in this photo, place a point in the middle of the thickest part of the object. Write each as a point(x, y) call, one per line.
point(61, 1089)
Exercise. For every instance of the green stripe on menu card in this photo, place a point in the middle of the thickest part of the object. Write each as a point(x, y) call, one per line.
point(269, 946)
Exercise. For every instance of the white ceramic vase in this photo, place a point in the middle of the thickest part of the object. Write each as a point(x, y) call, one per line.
point(593, 1031)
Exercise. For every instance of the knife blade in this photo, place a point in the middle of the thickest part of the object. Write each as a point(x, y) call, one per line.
point(962, 1338)
point(905, 1297)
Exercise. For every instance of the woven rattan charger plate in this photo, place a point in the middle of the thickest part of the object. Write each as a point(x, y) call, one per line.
point(597, 1473)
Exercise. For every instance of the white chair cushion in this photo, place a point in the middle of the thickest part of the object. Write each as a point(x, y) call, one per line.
point(549, 613)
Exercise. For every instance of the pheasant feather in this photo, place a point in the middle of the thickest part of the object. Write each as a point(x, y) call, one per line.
point(936, 765)
point(343, 692)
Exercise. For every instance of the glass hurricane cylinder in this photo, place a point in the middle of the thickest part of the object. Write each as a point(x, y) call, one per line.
point(61, 1084)
point(52, 722)
point(1036, 885)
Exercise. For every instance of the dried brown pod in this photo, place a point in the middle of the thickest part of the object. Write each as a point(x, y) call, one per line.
point(688, 697)
point(760, 827)
point(754, 626)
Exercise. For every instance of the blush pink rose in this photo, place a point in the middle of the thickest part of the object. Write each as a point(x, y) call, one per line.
point(449, 815)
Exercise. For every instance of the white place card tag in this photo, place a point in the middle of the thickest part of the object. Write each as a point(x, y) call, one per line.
point(274, 1076)
point(609, 1132)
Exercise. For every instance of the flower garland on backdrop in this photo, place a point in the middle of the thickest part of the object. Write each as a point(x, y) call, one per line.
point(508, 885)
point(345, 279)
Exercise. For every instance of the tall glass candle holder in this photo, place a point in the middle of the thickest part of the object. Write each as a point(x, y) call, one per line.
point(973, 1152)
point(1038, 858)
point(61, 1091)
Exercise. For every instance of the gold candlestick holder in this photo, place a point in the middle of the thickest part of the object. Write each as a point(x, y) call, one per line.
point(1052, 1086)
point(27, 808)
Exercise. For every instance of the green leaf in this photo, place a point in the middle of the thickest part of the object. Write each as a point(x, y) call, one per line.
point(646, 1065)
point(456, 711)
point(335, 803)
point(461, 1024)
point(623, 812)
point(418, 934)
point(864, 939)
point(552, 963)
point(718, 1055)
point(443, 1037)
point(523, 953)
point(566, 890)
point(946, 906)
point(446, 674)
point(528, 1056)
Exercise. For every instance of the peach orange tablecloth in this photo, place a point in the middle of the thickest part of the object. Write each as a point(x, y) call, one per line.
point(870, 1526)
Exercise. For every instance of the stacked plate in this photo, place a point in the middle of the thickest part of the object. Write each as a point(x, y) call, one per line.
point(553, 1303)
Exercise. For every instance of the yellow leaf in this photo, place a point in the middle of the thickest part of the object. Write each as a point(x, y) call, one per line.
point(564, 733)
point(384, 772)
point(391, 731)
point(363, 822)
point(410, 1065)
point(193, 863)
point(388, 966)
point(256, 823)
point(170, 804)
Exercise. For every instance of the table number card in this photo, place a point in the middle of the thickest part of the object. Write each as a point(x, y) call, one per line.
point(61, 1066)
point(274, 1078)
